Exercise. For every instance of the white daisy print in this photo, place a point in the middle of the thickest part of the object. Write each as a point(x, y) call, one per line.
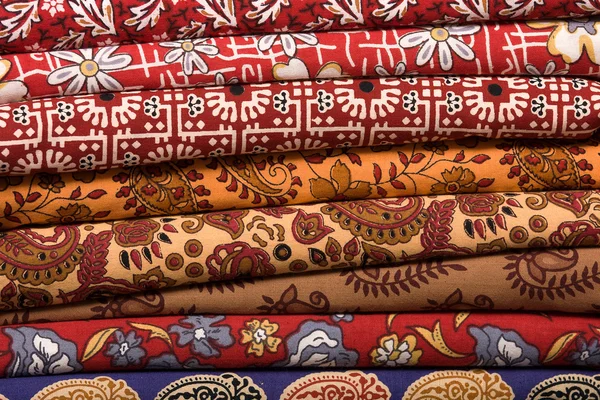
point(89, 70)
point(442, 38)
point(188, 51)
point(288, 42)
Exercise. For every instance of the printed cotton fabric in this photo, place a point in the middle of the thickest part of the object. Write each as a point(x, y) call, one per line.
point(369, 384)
point(70, 263)
point(250, 181)
point(535, 48)
point(32, 26)
point(564, 280)
point(301, 341)
point(111, 130)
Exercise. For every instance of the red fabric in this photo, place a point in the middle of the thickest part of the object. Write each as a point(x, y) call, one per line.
point(169, 125)
point(60, 24)
point(392, 340)
point(555, 47)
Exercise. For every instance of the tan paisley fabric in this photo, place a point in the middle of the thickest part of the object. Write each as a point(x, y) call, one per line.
point(72, 263)
point(565, 280)
point(445, 385)
point(191, 187)
point(100, 388)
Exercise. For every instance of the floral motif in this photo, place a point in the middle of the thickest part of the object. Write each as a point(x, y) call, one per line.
point(202, 335)
point(502, 348)
point(288, 42)
point(40, 352)
point(393, 352)
point(572, 38)
point(72, 213)
point(539, 105)
point(456, 180)
point(259, 337)
point(195, 105)
point(340, 186)
point(132, 233)
point(10, 90)
point(189, 51)
point(325, 100)
point(442, 38)
point(151, 107)
point(89, 70)
point(21, 115)
point(53, 6)
point(281, 101)
point(126, 350)
point(587, 353)
point(454, 103)
point(238, 259)
point(51, 182)
point(65, 111)
point(482, 204)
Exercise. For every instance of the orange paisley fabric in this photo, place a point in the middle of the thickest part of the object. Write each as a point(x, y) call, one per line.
point(249, 181)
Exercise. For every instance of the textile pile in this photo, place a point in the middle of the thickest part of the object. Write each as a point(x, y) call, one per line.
point(284, 199)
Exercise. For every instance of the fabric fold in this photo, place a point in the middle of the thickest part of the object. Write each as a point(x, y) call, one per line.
point(368, 384)
point(533, 48)
point(111, 130)
point(301, 341)
point(71, 263)
point(557, 280)
point(250, 181)
point(32, 27)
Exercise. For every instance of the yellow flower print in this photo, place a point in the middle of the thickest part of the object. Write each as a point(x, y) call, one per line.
point(457, 180)
point(10, 91)
point(571, 38)
point(393, 352)
point(259, 336)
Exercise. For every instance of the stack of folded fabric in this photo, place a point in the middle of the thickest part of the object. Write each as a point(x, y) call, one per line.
point(330, 185)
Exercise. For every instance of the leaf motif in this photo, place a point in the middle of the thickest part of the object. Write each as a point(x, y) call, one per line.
point(390, 320)
point(96, 342)
point(19, 25)
point(479, 11)
point(101, 20)
point(460, 318)
point(155, 331)
point(146, 14)
point(221, 12)
point(560, 345)
point(350, 12)
point(391, 9)
point(436, 340)
point(264, 10)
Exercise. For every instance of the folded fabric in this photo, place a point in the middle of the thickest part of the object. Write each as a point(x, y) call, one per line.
point(304, 341)
point(29, 27)
point(70, 263)
point(250, 181)
point(106, 130)
point(370, 384)
point(564, 280)
point(548, 47)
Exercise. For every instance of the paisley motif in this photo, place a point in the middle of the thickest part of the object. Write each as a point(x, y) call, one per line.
point(578, 202)
point(225, 386)
point(383, 222)
point(473, 385)
point(31, 258)
point(99, 388)
point(548, 163)
point(354, 385)
point(231, 222)
point(270, 179)
point(572, 386)
point(163, 188)
point(309, 228)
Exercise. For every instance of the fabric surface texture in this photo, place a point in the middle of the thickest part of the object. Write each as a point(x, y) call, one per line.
point(480, 340)
point(31, 27)
point(250, 181)
point(70, 263)
point(533, 48)
point(111, 130)
point(369, 384)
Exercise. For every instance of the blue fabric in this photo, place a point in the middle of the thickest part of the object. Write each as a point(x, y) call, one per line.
point(274, 383)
